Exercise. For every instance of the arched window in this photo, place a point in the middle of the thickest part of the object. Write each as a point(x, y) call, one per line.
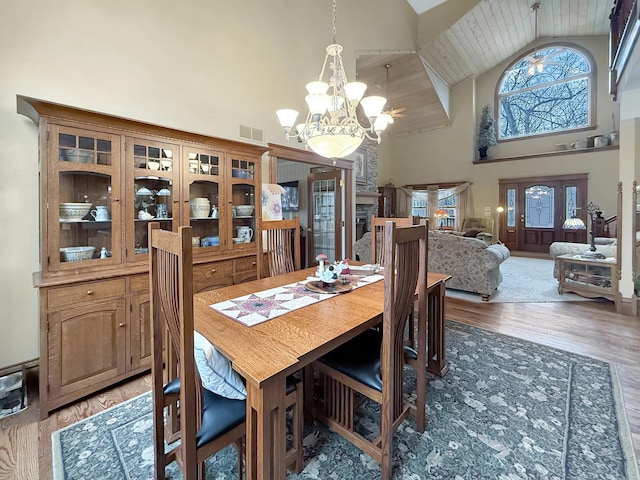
point(546, 92)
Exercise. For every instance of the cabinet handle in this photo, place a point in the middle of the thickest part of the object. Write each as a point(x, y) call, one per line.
point(116, 199)
point(214, 270)
point(89, 292)
point(121, 324)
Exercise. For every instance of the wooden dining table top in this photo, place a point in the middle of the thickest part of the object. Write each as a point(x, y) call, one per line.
point(284, 344)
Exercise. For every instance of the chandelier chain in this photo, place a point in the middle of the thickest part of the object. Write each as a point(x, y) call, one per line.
point(334, 21)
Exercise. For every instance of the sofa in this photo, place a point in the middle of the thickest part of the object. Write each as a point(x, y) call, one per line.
point(478, 227)
point(473, 265)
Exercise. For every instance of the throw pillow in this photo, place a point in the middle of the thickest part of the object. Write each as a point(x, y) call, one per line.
point(215, 370)
point(472, 232)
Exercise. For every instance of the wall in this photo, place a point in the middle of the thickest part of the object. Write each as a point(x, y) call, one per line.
point(199, 66)
point(447, 154)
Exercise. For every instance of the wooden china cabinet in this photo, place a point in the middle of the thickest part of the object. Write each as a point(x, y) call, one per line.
point(102, 180)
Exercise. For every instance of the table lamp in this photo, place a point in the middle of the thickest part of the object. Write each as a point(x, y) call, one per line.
point(440, 214)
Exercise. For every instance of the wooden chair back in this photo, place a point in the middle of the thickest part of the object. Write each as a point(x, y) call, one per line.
point(349, 371)
point(171, 292)
point(405, 273)
point(279, 240)
point(377, 234)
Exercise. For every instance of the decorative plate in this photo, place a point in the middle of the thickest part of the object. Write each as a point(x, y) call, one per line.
point(321, 287)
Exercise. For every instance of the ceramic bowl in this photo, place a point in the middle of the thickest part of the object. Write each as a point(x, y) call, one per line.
point(238, 240)
point(76, 254)
point(243, 210)
point(210, 242)
point(74, 211)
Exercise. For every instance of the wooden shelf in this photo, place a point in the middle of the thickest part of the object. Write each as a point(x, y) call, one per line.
point(571, 151)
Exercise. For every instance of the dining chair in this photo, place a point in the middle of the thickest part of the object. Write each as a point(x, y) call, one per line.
point(208, 422)
point(211, 421)
point(416, 343)
point(280, 241)
point(371, 364)
point(377, 256)
point(377, 234)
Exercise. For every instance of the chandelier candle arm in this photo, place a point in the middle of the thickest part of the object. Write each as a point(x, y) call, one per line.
point(331, 128)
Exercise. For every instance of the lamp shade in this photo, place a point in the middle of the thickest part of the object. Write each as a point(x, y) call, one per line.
point(441, 213)
point(574, 223)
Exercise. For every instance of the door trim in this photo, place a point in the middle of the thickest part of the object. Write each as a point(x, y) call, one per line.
point(282, 152)
point(514, 236)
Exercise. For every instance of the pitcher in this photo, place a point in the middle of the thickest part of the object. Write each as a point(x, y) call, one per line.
point(246, 233)
point(100, 214)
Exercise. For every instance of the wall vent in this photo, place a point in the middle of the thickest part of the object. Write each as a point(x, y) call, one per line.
point(251, 133)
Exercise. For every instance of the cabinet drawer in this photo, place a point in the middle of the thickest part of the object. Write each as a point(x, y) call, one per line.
point(85, 292)
point(139, 283)
point(212, 275)
point(245, 264)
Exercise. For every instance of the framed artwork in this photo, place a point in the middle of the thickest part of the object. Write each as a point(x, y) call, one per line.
point(360, 165)
point(290, 196)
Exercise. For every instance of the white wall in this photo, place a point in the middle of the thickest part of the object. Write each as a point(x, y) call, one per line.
point(446, 155)
point(195, 65)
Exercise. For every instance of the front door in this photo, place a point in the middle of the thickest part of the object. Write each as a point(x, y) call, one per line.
point(325, 214)
point(536, 208)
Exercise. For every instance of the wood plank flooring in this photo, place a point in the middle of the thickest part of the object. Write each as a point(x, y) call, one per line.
point(587, 328)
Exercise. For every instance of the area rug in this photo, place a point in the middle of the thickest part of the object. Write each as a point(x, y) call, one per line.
point(524, 280)
point(508, 410)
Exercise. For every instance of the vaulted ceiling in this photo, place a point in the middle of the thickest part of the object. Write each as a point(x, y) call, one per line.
point(481, 38)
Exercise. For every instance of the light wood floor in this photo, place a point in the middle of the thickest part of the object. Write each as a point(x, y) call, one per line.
point(587, 328)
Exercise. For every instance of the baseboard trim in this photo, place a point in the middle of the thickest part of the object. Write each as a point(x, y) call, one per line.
point(29, 364)
point(628, 306)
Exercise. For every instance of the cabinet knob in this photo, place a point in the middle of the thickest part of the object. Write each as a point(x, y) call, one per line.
point(253, 263)
point(214, 270)
point(115, 199)
point(89, 292)
point(121, 324)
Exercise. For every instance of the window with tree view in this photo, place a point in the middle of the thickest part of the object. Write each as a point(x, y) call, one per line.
point(533, 102)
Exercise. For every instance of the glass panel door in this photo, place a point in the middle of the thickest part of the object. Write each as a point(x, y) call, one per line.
point(205, 197)
point(243, 208)
point(151, 193)
point(325, 213)
point(86, 209)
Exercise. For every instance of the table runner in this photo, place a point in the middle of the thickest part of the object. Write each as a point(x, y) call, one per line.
point(261, 306)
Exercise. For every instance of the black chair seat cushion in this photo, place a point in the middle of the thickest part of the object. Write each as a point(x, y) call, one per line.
point(359, 359)
point(219, 415)
point(410, 353)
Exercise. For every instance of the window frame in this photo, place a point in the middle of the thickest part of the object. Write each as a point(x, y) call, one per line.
point(591, 100)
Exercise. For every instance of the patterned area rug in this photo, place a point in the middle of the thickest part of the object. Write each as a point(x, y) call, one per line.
point(507, 409)
point(524, 280)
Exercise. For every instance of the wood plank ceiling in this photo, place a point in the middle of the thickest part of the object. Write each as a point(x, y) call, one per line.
point(486, 35)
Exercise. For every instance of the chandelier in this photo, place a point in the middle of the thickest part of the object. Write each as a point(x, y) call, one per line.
point(332, 129)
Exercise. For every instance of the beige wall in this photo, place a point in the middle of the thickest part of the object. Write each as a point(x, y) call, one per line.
point(446, 154)
point(196, 65)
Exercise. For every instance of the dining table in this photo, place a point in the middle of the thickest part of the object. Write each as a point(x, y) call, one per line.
point(264, 354)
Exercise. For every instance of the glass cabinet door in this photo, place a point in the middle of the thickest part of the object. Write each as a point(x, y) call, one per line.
point(85, 207)
point(243, 201)
point(151, 194)
point(204, 206)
